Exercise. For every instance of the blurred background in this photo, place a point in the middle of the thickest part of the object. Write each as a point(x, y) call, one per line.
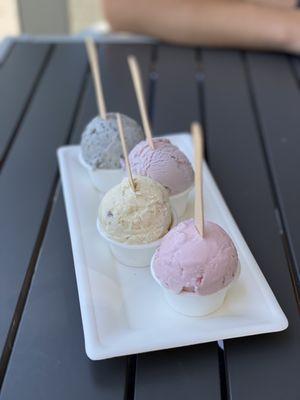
point(49, 16)
point(245, 24)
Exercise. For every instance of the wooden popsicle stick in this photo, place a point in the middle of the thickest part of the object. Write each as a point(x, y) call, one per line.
point(125, 151)
point(138, 87)
point(198, 144)
point(94, 64)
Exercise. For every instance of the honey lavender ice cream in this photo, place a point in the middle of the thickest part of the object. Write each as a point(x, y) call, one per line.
point(186, 262)
point(165, 164)
point(100, 142)
point(136, 217)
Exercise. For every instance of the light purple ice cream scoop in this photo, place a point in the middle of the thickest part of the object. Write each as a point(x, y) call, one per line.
point(165, 164)
point(186, 262)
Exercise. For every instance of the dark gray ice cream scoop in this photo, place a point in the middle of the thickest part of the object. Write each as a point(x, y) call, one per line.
point(100, 142)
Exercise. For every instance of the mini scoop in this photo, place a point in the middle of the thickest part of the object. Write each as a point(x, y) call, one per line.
point(185, 262)
point(100, 142)
point(165, 164)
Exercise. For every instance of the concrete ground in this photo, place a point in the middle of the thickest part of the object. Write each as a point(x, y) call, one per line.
point(9, 21)
point(82, 13)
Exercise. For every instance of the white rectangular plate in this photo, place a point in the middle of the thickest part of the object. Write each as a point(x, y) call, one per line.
point(123, 310)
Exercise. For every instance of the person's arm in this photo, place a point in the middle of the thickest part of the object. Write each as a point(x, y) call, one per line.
point(208, 22)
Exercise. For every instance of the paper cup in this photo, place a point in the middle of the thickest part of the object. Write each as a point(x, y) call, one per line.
point(132, 255)
point(179, 201)
point(192, 304)
point(102, 179)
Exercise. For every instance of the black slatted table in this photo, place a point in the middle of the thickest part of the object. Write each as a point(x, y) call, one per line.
point(249, 104)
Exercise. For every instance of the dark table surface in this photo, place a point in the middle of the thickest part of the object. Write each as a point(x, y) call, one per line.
point(249, 105)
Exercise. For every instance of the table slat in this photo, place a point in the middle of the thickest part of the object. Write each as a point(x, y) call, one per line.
point(176, 90)
point(278, 100)
point(117, 82)
point(187, 371)
point(60, 341)
point(259, 367)
point(17, 85)
point(29, 172)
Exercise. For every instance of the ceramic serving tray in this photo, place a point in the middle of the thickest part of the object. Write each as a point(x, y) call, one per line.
point(123, 310)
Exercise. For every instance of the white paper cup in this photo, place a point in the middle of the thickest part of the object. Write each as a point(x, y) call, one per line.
point(179, 201)
point(132, 255)
point(102, 179)
point(192, 304)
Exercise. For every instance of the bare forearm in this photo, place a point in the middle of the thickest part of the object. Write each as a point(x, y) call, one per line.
point(209, 23)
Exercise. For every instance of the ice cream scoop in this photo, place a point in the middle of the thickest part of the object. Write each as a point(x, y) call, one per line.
point(186, 262)
point(100, 142)
point(136, 217)
point(165, 163)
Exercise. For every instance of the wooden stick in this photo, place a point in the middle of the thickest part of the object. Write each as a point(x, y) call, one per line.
point(138, 87)
point(94, 64)
point(125, 151)
point(198, 143)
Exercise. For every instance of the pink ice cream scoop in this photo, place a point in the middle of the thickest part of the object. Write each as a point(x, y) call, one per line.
point(187, 262)
point(165, 164)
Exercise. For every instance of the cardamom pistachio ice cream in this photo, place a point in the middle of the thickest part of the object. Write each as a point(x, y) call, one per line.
point(165, 164)
point(136, 217)
point(100, 142)
point(186, 262)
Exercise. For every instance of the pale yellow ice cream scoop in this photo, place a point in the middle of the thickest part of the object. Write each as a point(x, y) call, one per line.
point(136, 217)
